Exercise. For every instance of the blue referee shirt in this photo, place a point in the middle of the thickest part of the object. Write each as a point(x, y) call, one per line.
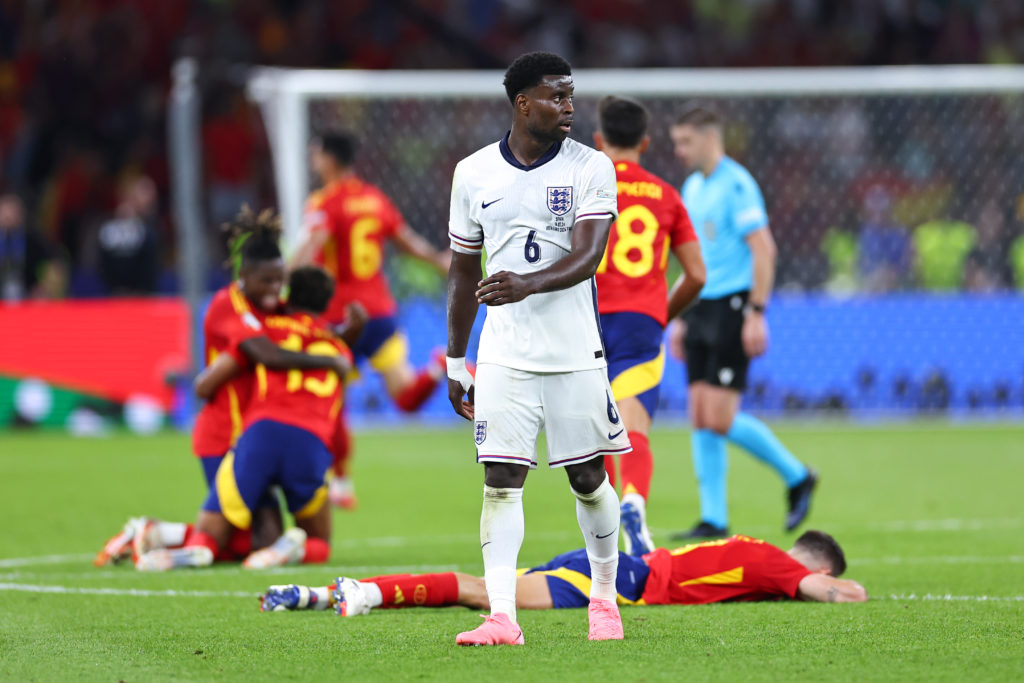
point(725, 207)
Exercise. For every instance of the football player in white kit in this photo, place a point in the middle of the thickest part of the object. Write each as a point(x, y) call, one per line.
point(541, 205)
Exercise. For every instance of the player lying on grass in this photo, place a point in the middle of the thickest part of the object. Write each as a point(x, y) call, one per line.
point(259, 271)
point(737, 569)
point(289, 421)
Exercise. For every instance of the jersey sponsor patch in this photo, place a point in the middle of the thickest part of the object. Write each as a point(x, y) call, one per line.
point(481, 432)
point(559, 200)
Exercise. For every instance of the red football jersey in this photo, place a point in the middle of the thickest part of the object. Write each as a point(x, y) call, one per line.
point(308, 399)
point(737, 569)
point(230, 319)
point(651, 221)
point(359, 219)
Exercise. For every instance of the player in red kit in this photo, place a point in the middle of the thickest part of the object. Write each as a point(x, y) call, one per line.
point(736, 569)
point(236, 311)
point(289, 422)
point(633, 297)
point(348, 223)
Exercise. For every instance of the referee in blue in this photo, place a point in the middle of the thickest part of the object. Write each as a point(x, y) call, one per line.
point(727, 327)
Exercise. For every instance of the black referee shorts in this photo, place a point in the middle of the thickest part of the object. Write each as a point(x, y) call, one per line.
point(714, 342)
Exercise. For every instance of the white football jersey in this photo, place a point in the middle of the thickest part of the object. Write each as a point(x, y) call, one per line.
point(523, 216)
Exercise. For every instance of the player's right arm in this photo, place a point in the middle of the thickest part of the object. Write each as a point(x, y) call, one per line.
point(463, 279)
point(824, 588)
point(463, 276)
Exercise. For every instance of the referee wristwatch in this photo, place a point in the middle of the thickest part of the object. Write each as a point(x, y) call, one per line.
point(751, 307)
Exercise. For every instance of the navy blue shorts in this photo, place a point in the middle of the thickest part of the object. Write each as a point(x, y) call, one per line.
point(381, 343)
point(636, 357)
point(568, 578)
point(210, 465)
point(269, 454)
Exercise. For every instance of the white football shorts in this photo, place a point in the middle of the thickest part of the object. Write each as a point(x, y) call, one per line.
point(576, 410)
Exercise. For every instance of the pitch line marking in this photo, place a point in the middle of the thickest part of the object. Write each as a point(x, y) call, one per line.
point(169, 593)
point(44, 559)
point(134, 592)
point(941, 559)
point(226, 569)
point(946, 597)
point(954, 524)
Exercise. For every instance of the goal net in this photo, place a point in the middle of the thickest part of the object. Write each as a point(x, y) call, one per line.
point(896, 196)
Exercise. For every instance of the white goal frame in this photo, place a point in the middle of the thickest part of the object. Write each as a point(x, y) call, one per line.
point(284, 96)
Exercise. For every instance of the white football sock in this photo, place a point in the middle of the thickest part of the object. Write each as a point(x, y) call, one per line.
point(598, 515)
point(323, 598)
point(374, 598)
point(501, 535)
point(637, 500)
point(171, 534)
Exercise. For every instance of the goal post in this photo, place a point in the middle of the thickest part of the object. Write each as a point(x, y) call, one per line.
point(894, 194)
point(285, 96)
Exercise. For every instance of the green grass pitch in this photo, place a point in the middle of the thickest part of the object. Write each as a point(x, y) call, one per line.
point(931, 518)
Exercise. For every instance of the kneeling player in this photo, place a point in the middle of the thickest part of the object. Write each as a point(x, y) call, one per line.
point(235, 312)
point(737, 569)
point(289, 422)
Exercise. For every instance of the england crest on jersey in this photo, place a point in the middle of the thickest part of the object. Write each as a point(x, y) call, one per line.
point(560, 200)
point(481, 431)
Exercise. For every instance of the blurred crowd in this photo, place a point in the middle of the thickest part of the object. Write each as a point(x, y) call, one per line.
point(84, 187)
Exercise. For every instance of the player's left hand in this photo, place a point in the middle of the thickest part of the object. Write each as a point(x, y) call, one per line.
point(502, 288)
point(755, 334)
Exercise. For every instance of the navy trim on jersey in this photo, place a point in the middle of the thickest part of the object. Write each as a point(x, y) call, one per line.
point(465, 242)
point(511, 158)
point(609, 214)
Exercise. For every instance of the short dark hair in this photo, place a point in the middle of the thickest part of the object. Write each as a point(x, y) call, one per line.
point(310, 288)
point(253, 237)
point(699, 116)
point(528, 70)
point(623, 121)
point(341, 145)
point(823, 547)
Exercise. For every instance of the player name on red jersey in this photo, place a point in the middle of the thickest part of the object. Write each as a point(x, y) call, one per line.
point(652, 220)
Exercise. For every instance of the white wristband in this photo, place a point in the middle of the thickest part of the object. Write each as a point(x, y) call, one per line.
point(457, 371)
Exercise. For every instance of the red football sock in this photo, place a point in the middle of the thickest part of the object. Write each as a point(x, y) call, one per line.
point(419, 590)
point(239, 546)
point(416, 394)
point(609, 467)
point(189, 528)
point(317, 551)
point(341, 447)
point(199, 538)
point(637, 466)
